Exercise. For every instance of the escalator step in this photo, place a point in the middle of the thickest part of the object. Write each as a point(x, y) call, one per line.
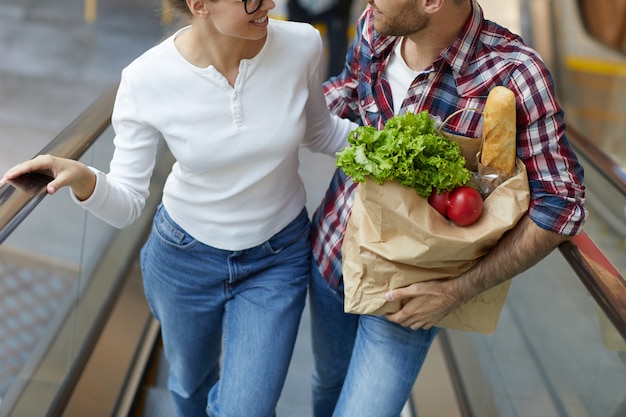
point(158, 403)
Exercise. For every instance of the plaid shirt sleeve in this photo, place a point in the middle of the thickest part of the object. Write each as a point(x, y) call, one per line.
point(554, 174)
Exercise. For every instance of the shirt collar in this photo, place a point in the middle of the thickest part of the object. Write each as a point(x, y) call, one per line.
point(459, 54)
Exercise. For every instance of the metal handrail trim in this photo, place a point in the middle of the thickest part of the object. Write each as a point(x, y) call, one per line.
point(599, 276)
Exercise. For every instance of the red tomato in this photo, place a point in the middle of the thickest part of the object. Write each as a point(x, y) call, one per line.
point(440, 202)
point(466, 205)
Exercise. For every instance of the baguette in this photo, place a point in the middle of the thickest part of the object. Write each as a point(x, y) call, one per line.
point(499, 131)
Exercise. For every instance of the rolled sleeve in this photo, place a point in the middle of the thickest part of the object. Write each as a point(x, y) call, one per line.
point(554, 172)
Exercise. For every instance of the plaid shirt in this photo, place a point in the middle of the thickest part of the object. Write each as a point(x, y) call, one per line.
point(483, 56)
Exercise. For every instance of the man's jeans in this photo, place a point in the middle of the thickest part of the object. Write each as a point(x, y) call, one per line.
point(245, 305)
point(365, 366)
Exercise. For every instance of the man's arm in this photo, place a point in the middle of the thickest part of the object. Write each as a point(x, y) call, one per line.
point(428, 302)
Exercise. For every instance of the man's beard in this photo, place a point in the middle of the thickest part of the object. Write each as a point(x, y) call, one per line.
point(405, 23)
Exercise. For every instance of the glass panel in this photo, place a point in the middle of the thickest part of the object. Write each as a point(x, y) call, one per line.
point(553, 353)
point(45, 267)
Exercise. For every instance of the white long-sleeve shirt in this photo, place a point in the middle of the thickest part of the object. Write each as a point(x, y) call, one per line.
point(235, 182)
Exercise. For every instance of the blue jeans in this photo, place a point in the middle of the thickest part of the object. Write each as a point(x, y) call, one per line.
point(241, 306)
point(365, 366)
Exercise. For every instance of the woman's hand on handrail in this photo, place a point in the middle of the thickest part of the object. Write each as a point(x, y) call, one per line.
point(66, 172)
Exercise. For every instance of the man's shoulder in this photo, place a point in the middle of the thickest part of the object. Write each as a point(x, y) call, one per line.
point(500, 55)
point(501, 42)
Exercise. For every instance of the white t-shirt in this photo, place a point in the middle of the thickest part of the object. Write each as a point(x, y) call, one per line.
point(399, 75)
point(235, 182)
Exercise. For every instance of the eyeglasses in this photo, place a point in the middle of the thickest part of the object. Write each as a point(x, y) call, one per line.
point(251, 6)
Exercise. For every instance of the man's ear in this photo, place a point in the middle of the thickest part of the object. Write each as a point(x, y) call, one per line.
point(432, 6)
point(198, 7)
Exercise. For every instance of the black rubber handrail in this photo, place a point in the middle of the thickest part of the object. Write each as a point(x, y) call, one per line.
point(19, 197)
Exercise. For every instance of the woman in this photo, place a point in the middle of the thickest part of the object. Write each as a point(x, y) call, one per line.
point(225, 269)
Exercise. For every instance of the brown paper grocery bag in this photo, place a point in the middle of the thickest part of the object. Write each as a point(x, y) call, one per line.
point(395, 238)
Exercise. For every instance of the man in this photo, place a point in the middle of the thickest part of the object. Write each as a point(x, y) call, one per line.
point(440, 56)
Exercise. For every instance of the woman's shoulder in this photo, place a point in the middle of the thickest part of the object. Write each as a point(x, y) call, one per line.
point(295, 41)
point(156, 55)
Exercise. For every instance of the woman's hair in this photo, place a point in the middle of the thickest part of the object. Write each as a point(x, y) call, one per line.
point(180, 6)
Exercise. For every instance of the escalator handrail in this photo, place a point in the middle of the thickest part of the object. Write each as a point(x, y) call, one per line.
point(600, 277)
point(19, 197)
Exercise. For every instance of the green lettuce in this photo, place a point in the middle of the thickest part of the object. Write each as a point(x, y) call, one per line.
point(408, 150)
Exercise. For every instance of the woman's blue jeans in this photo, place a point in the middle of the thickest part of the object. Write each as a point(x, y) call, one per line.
point(365, 366)
point(228, 318)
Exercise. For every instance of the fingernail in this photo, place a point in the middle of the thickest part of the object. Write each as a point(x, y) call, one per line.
point(51, 189)
point(389, 296)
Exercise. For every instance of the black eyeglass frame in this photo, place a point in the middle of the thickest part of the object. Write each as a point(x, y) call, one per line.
point(245, 6)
